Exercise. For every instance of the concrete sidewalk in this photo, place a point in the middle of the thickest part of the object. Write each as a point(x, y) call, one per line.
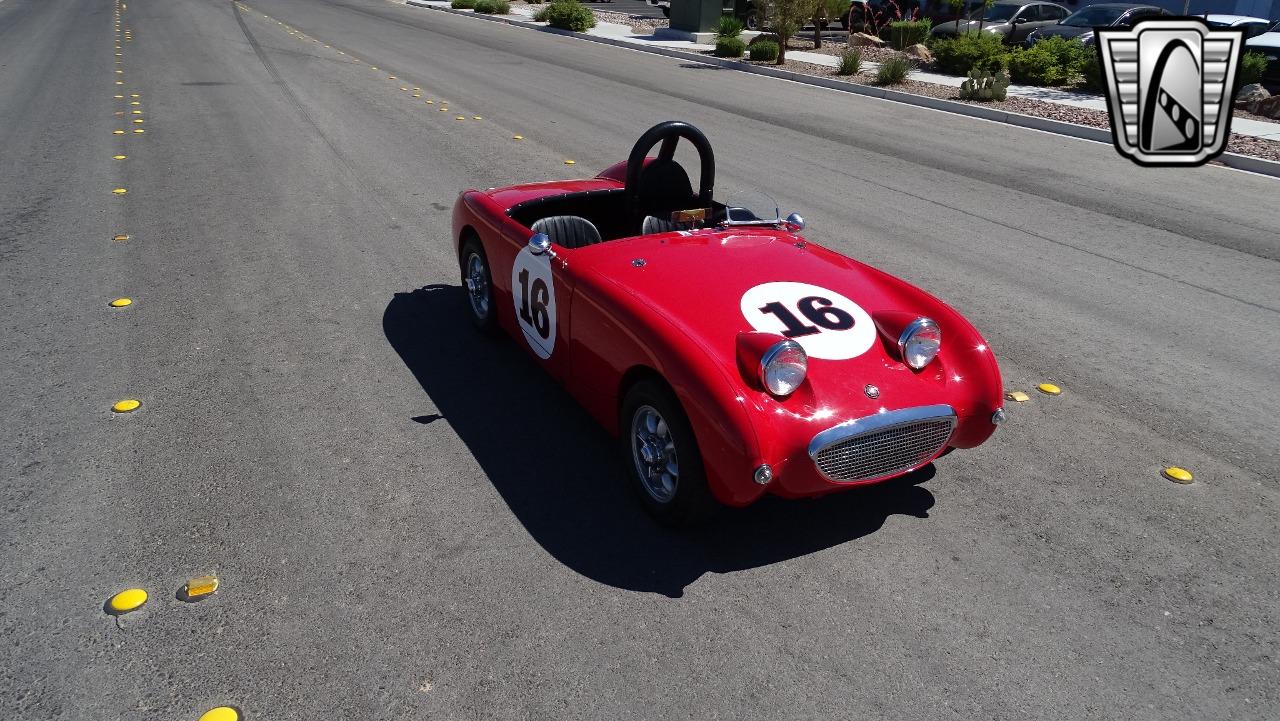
point(624, 34)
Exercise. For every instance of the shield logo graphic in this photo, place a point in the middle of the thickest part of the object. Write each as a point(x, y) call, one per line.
point(1170, 86)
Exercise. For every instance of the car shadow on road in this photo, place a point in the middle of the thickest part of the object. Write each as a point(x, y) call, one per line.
point(558, 471)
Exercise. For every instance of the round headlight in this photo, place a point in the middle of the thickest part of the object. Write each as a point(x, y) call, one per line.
point(783, 367)
point(919, 342)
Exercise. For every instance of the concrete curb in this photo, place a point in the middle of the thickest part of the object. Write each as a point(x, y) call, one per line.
point(1058, 127)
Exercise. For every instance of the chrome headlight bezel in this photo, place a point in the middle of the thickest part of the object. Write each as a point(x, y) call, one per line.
point(782, 357)
point(920, 342)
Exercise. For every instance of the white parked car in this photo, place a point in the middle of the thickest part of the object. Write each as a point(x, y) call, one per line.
point(1268, 44)
point(1252, 26)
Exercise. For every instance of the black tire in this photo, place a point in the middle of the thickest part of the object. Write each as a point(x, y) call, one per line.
point(690, 499)
point(483, 316)
point(753, 21)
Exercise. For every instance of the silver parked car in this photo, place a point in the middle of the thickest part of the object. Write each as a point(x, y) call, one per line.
point(1011, 19)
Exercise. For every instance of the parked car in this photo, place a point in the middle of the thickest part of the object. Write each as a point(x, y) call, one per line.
point(1080, 24)
point(1268, 44)
point(1011, 19)
point(1252, 26)
point(730, 356)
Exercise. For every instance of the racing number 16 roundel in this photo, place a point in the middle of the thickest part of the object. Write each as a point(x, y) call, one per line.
point(826, 324)
point(535, 298)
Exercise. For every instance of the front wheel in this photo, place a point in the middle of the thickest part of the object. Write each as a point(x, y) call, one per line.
point(753, 21)
point(662, 457)
point(478, 283)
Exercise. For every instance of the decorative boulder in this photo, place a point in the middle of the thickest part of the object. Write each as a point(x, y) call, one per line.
point(919, 51)
point(1251, 94)
point(859, 40)
point(1267, 107)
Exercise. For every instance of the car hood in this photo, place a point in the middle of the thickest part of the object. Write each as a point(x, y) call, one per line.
point(706, 283)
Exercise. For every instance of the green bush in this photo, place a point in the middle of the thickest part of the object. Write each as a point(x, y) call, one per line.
point(764, 38)
point(982, 85)
point(729, 48)
point(958, 55)
point(908, 32)
point(1252, 67)
point(1051, 61)
point(850, 62)
point(730, 27)
point(767, 51)
point(462, 4)
point(567, 15)
point(1092, 72)
point(493, 7)
point(893, 72)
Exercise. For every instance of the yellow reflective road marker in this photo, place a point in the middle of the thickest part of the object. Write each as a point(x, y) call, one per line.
point(444, 109)
point(461, 117)
point(391, 77)
point(517, 137)
point(120, 237)
point(119, 191)
point(136, 112)
point(1178, 475)
point(121, 302)
point(477, 117)
point(139, 121)
point(431, 102)
point(570, 162)
point(134, 95)
point(202, 586)
point(1018, 396)
point(117, 132)
point(119, 157)
point(373, 67)
point(1049, 389)
point(139, 130)
point(127, 406)
point(127, 600)
point(404, 88)
point(118, 97)
point(417, 90)
point(135, 102)
point(221, 713)
point(119, 82)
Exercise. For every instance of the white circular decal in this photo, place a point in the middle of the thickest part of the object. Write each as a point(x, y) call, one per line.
point(535, 297)
point(826, 324)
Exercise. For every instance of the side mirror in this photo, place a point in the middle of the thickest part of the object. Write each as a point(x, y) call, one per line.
point(540, 244)
point(1019, 21)
point(795, 222)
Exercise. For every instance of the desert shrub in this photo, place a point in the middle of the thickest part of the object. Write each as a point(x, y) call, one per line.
point(1252, 67)
point(850, 62)
point(766, 51)
point(1051, 61)
point(462, 4)
point(730, 27)
point(982, 85)
point(893, 72)
point(493, 7)
point(729, 47)
point(958, 55)
point(764, 38)
point(1092, 72)
point(908, 32)
point(567, 15)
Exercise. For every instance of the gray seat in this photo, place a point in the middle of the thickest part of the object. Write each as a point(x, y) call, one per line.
point(568, 231)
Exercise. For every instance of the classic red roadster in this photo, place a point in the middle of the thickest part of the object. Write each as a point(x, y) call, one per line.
point(731, 356)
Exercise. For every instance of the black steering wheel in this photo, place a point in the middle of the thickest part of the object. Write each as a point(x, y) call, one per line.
point(662, 182)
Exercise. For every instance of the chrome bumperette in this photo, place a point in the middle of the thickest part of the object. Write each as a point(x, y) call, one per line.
point(883, 444)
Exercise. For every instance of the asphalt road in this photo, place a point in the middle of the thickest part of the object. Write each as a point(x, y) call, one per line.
point(411, 521)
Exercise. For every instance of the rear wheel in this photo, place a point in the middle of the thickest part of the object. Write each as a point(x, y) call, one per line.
point(478, 283)
point(661, 455)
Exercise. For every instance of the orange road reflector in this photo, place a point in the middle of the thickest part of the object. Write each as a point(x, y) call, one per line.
point(201, 586)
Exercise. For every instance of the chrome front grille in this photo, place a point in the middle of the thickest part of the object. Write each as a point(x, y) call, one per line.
point(883, 445)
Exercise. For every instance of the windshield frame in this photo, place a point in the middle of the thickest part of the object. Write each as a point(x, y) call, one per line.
point(1112, 15)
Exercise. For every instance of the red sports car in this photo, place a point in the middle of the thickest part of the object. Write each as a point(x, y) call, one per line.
point(731, 356)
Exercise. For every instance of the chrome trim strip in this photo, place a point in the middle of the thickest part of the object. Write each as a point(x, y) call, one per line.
point(878, 422)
